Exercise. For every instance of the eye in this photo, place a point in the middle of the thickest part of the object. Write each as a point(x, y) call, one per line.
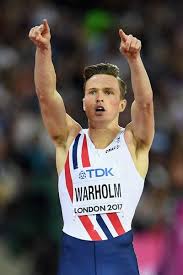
point(108, 91)
point(91, 92)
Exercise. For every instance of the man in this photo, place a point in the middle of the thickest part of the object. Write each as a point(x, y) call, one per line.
point(101, 169)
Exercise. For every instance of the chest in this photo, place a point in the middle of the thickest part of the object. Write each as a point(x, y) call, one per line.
point(111, 154)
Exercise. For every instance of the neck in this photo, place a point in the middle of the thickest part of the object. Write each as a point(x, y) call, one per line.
point(103, 124)
point(103, 136)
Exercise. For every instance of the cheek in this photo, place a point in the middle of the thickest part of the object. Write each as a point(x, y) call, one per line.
point(88, 104)
point(114, 104)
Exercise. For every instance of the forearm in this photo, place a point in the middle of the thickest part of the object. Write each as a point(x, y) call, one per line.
point(44, 72)
point(140, 82)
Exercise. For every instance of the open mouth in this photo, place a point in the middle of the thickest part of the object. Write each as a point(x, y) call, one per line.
point(100, 109)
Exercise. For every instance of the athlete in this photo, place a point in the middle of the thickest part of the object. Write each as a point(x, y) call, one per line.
point(101, 170)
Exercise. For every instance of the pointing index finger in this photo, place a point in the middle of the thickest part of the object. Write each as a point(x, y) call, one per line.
point(122, 35)
point(45, 23)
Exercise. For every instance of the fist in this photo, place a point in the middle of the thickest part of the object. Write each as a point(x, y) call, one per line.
point(40, 35)
point(130, 46)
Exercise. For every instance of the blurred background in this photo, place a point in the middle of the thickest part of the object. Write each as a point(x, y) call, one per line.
point(86, 32)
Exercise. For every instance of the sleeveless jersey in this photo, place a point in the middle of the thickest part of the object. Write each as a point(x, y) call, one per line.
point(99, 189)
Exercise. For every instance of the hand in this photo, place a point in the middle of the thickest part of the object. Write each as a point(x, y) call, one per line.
point(130, 46)
point(40, 35)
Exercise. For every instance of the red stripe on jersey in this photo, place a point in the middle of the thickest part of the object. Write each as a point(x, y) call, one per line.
point(85, 155)
point(89, 228)
point(68, 178)
point(113, 217)
point(84, 219)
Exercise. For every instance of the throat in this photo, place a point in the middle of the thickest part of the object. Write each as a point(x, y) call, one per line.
point(101, 138)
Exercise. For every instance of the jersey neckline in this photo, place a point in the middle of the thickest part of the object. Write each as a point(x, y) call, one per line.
point(109, 145)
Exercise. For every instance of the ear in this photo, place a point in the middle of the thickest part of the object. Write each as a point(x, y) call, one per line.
point(123, 104)
point(84, 104)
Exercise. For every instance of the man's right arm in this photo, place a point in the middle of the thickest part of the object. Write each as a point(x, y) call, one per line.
point(57, 122)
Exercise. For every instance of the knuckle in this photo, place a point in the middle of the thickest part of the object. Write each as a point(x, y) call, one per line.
point(138, 42)
point(31, 35)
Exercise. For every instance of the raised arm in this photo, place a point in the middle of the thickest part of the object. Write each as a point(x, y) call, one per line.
point(57, 122)
point(142, 112)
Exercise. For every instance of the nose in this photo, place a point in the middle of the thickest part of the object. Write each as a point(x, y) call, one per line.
point(99, 98)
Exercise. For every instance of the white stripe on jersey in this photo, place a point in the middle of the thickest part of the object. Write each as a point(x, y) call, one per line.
point(79, 151)
point(109, 225)
point(97, 227)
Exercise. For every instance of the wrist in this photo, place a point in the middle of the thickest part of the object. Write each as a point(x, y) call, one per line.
point(135, 62)
point(44, 49)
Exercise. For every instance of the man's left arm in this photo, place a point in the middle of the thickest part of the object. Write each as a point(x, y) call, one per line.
point(142, 110)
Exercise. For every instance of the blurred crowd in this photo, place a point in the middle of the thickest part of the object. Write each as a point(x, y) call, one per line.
point(82, 34)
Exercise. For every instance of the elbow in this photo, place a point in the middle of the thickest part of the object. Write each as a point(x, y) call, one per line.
point(148, 107)
point(43, 95)
point(40, 92)
point(148, 104)
point(146, 101)
point(43, 99)
point(149, 98)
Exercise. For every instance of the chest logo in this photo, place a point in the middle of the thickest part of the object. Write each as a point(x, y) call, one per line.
point(112, 148)
point(82, 175)
point(99, 172)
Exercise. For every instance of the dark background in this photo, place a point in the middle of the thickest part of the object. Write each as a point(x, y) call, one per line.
point(84, 33)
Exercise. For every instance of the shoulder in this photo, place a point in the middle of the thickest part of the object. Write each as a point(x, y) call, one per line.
point(73, 130)
point(63, 149)
point(139, 153)
point(132, 141)
point(129, 136)
point(73, 133)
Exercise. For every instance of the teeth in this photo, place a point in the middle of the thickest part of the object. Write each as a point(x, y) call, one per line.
point(100, 109)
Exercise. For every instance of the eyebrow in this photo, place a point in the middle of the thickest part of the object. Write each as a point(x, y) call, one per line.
point(109, 88)
point(105, 88)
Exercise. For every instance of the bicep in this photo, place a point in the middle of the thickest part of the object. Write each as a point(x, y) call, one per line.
point(143, 122)
point(55, 119)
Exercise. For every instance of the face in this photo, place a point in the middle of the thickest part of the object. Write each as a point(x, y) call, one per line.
point(102, 98)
